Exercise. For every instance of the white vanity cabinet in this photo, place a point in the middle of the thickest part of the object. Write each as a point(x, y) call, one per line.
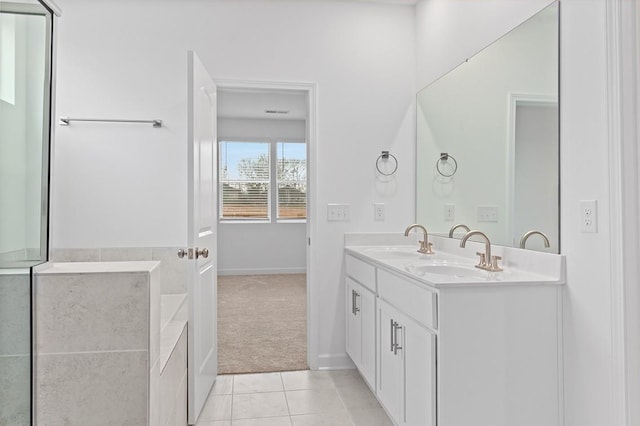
point(361, 327)
point(406, 351)
point(453, 353)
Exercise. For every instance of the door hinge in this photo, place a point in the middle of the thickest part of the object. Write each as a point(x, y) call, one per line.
point(309, 240)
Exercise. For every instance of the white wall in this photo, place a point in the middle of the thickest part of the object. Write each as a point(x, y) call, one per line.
point(257, 248)
point(126, 185)
point(447, 32)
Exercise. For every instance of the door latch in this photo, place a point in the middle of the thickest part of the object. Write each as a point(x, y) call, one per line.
point(188, 253)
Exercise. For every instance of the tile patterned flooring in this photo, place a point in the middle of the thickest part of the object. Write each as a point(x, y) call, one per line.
point(293, 398)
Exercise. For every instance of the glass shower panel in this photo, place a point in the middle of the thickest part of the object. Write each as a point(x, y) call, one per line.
point(24, 103)
point(25, 94)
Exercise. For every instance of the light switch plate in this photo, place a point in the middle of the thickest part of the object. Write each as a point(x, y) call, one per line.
point(487, 213)
point(338, 212)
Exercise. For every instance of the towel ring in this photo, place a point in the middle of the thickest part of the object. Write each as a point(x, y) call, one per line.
point(385, 156)
point(444, 157)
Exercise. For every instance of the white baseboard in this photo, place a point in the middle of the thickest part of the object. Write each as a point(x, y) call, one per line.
point(335, 362)
point(262, 271)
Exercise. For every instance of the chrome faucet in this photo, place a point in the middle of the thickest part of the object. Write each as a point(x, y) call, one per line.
point(425, 245)
point(454, 227)
point(487, 262)
point(526, 235)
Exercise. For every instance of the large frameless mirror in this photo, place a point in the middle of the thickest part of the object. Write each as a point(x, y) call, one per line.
point(25, 98)
point(488, 140)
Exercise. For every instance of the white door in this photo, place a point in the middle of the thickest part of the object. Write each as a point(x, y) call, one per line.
point(202, 235)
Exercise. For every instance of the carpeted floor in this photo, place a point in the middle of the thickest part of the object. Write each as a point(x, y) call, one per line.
point(262, 323)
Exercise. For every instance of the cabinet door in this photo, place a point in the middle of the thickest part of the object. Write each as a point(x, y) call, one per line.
point(390, 389)
point(419, 375)
point(354, 324)
point(367, 304)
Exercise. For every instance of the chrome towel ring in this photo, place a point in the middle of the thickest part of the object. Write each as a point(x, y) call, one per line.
point(385, 157)
point(442, 161)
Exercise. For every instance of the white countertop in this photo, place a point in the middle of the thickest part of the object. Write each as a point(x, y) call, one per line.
point(52, 268)
point(453, 266)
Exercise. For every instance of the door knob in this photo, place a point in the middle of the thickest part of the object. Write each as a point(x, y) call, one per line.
point(182, 253)
point(202, 252)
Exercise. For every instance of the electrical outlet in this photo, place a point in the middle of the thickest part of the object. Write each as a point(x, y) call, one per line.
point(589, 216)
point(378, 211)
point(338, 212)
point(449, 212)
point(487, 213)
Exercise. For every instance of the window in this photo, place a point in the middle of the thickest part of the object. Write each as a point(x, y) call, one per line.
point(292, 180)
point(248, 171)
point(244, 175)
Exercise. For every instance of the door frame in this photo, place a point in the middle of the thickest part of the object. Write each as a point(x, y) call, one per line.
point(310, 89)
point(524, 99)
point(623, 95)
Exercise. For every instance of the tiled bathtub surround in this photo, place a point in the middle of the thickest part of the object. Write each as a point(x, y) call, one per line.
point(98, 342)
point(15, 346)
point(172, 269)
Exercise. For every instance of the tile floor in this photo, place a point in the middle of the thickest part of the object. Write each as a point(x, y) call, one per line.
point(293, 398)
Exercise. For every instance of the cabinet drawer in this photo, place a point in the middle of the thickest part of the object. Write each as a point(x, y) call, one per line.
point(361, 271)
point(412, 299)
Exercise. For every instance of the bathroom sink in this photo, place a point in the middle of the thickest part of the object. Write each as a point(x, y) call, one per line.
point(448, 270)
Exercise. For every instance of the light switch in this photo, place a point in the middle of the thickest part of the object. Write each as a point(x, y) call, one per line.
point(338, 212)
point(487, 213)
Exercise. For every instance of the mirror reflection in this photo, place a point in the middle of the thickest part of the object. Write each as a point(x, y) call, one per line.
point(488, 141)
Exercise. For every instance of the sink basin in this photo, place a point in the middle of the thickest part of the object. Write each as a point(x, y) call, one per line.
point(392, 252)
point(448, 270)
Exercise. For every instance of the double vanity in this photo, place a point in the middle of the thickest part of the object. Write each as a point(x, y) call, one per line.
point(443, 342)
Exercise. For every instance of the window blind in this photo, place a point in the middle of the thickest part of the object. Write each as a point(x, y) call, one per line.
point(244, 177)
point(291, 166)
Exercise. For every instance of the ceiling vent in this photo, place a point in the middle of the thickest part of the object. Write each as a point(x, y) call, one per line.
point(276, 111)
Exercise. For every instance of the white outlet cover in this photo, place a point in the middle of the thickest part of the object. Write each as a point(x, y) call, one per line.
point(449, 212)
point(378, 211)
point(589, 216)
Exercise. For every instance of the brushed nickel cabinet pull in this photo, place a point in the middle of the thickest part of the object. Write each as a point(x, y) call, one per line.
point(392, 334)
point(396, 346)
point(353, 302)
